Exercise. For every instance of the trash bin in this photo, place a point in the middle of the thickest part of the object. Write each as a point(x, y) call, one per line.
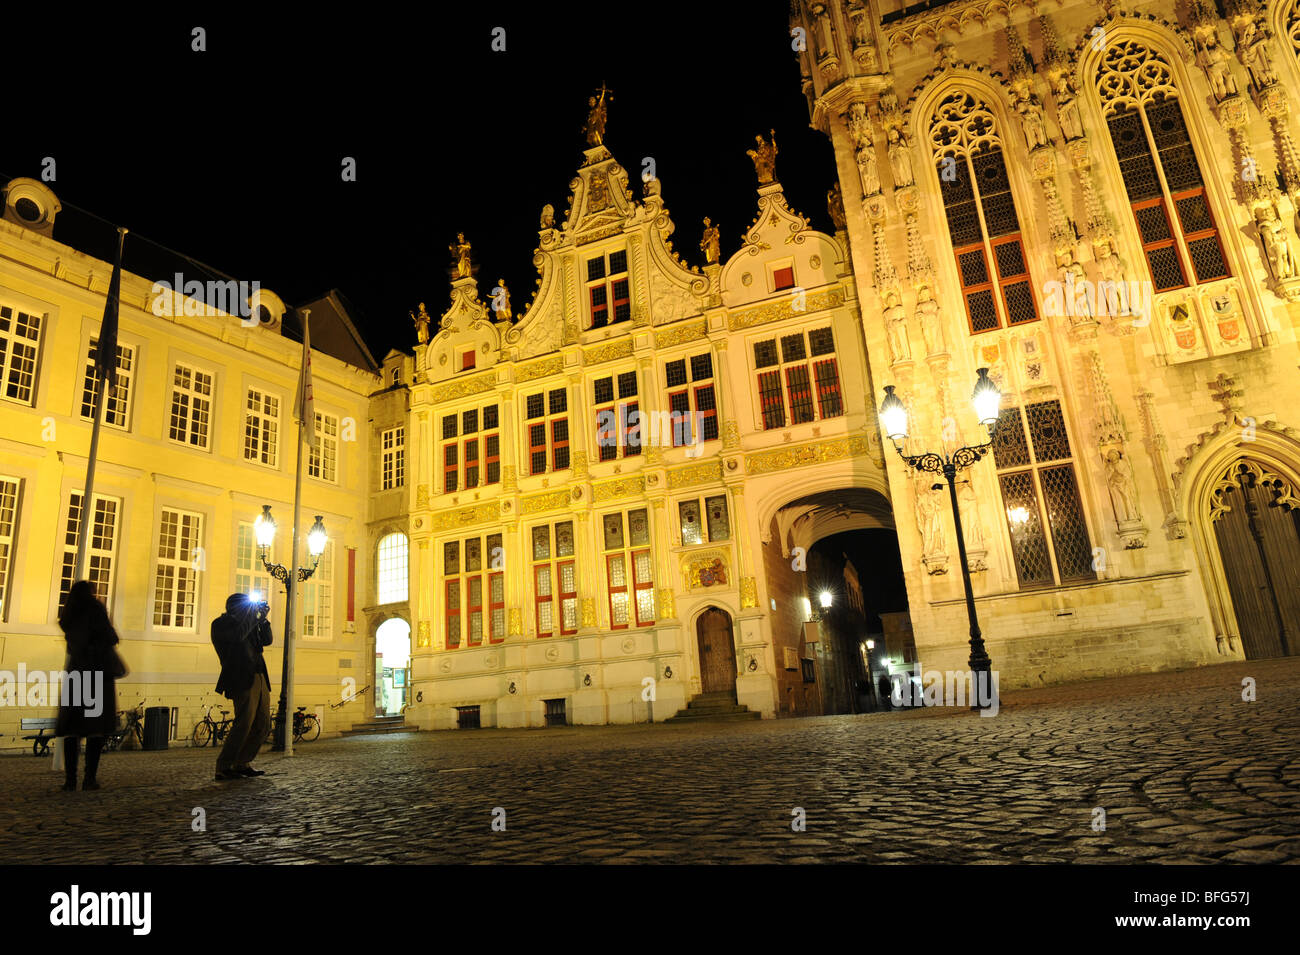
point(157, 723)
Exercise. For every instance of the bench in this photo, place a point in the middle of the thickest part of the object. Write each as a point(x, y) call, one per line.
point(41, 744)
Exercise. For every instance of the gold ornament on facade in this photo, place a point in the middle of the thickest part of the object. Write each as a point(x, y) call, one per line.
point(692, 475)
point(609, 352)
point(466, 516)
point(706, 570)
point(748, 593)
point(588, 612)
point(516, 626)
point(462, 389)
point(619, 487)
point(798, 455)
point(422, 496)
point(594, 130)
point(541, 369)
point(537, 503)
point(421, 325)
point(776, 311)
point(710, 244)
point(681, 334)
point(667, 604)
point(425, 638)
point(764, 157)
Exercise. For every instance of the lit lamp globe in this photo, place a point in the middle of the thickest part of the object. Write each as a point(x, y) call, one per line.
point(987, 399)
point(316, 538)
point(264, 527)
point(826, 599)
point(893, 416)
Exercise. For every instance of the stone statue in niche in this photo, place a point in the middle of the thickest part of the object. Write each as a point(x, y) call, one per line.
point(1254, 44)
point(970, 519)
point(896, 328)
point(1214, 60)
point(927, 313)
point(900, 160)
point(1277, 243)
point(868, 170)
point(1031, 121)
point(835, 206)
point(1119, 481)
point(1067, 107)
point(928, 521)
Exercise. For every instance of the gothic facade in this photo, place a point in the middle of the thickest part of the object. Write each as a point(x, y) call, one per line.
point(1097, 202)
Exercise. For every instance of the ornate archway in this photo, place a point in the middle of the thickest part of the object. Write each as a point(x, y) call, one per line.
point(1255, 513)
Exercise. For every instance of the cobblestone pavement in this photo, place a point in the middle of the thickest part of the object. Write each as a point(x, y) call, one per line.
point(1185, 770)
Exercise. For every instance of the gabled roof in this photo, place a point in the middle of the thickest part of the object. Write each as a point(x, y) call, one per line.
point(333, 329)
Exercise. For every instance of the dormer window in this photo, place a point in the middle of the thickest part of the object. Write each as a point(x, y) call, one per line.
point(467, 360)
point(783, 278)
point(607, 289)
point(397, 376)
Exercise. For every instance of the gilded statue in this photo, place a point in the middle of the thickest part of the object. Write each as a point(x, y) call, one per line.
point(460, 254)
point(595, 128)
point(421, 325)
point(548, 216)
point(764, 156)
point(709, 244)
point(501, 301)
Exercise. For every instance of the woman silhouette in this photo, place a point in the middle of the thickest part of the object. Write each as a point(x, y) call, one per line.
point(91, 639)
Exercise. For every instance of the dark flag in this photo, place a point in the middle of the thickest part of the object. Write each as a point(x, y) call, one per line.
point(106, 349)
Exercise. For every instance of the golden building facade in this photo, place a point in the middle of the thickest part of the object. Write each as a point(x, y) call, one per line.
point(199, 435)
point(1098, 203)
point(594, 516)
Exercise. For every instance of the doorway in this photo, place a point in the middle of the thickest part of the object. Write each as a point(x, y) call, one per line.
point(392, 666)
point(1259, 544)
point(717, 652)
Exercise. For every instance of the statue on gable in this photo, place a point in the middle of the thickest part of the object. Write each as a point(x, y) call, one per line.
point(764, 156)
point(421, 325)
point(501, 301)
point(595, 127)
point(710, 243)
point(548, 216)
point(460, 254)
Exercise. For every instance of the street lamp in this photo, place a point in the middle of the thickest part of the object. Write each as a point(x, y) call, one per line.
point(986, 400)
point(826, 599)
point(264, 531)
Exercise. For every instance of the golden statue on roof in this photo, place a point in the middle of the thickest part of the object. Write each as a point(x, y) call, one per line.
point(595, 127)
point(460, 253)
point(764, 156)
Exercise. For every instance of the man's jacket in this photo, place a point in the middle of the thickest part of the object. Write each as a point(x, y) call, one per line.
point(238, 639)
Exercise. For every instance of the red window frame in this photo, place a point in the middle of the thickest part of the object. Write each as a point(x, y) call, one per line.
point(617, 300)
point(471, 445)
point(453, 611)
point(450, 467)
point(599, 312)
point(566, 595)
point(800, 394)
point(467, 360)
point(490, 459)
point(622, 556)
point(557, 444)
point(638, 586)
point(828, 387)
point(534, 448)
point(706, 414)
point(968, 290)
point(539, 598)
point(682, 419)
point(607, 450)
point(627, 427)
point(783, 278)
point(495, 634)
point(771, 398)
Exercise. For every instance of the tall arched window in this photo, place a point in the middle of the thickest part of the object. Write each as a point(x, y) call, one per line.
point(981, 214)
point(392, 563)
point(1179, 237)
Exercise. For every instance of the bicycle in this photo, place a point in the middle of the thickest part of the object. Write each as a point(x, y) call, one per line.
point(210, 730)
point(306, 727)
point(130, 724)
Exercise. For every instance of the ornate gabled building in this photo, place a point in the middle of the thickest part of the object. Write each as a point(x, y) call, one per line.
point(1098, 203)
point(594, 523)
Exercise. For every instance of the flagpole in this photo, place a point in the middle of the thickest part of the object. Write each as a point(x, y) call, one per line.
point(107, 337)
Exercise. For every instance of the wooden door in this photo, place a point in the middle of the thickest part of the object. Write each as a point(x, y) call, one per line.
point(717, 652)
point(1265, 586)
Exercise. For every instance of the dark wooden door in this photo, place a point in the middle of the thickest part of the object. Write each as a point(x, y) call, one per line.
point(1265, 586)
point(717, 651)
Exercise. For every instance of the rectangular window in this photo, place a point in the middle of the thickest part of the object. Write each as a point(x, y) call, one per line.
point(318, 598)
point(450, 467)
point(799, 382)
point(9, 488)
point(261, 427)
point(496, 589)
point(470, 619)
point(693, 403)
point(608, 298)
point(176, 573)
point(708, 523)
point(322, 461)
point(101, 547)
point(20, 343)
point(117, 403)
point(618, 422)
point(548, 430)
point(393, 458)
point(555, 583)
point(250, 574)
point(629, 569)
point(1049, 536)
point(191, 411)
point(783, 278)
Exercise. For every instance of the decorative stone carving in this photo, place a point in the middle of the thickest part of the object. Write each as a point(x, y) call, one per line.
point(588, 613)
point(896, 328)
point(900, 159)
point(748, 593)
point(928, 519)
point(1120, 484)
point(667, 604)
point(425, 638)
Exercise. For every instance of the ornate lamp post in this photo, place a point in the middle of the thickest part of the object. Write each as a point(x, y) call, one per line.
point(264, 529)
point(893, 417)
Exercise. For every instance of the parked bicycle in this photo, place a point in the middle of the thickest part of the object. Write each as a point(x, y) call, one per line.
point(306, 727)
point(130, 723)
point(208, 730)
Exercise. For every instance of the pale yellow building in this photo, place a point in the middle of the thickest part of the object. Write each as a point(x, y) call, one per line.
point(199, 437)
point(1098, 203)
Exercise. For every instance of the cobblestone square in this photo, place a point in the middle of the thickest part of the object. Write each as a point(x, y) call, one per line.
point(1185, 770)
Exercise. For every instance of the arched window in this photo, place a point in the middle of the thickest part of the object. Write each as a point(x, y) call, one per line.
point(1179, 237)
point(981, 214)
point(392, 564)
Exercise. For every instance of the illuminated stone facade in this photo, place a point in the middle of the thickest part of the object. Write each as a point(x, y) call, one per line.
point(1098, 203)
point(556, 557)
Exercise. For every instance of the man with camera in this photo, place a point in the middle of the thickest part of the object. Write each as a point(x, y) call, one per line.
point(239, 635)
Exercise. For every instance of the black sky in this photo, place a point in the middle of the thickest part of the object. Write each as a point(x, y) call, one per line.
point(233, 156)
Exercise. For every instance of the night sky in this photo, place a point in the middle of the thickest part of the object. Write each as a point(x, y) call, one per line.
point(233, 156)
